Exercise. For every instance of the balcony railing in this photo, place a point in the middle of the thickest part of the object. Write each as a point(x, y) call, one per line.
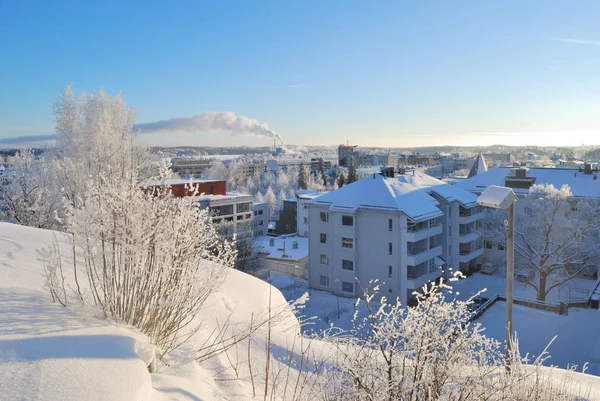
point(423, 226)
point(469, 212)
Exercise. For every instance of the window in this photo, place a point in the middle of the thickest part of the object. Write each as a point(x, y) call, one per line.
point(323, 238)
point(324, 281)
point(260, 222)
point(324, 259)
point(389, 271)
point(347, 243)
point(347, 265)
point(211, 190)
point(489, 245)
point(390, 224)
point(240, 217)
point(449, 231)
point(501, 247)
point(390, 248)
point(390, 290)
point(260, 212)
point(347, 220)
point(325, 217)
point(256, 212)
point(347, 287)
point(305, 220)
point(243, 207)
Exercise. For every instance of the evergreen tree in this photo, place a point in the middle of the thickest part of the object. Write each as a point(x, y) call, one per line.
point(322, 171)
point(342, 178)
point(352, 175)
point(303, 177)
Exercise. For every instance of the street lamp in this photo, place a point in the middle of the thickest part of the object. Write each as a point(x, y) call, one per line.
point(504, 198)
point(337, 294)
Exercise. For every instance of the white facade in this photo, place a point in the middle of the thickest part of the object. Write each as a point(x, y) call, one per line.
point(260, 219)
point(231, 213)
point(303, 198)
point(399, 231)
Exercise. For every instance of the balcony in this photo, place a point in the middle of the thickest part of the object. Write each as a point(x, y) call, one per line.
point(470, 236)
point(470, 215)
point(423, 256)
point(422, 232)
point(467, 256)
point(420, 275)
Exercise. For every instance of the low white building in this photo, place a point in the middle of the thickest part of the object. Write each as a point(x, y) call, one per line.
point(404, 231)
point(285, 254)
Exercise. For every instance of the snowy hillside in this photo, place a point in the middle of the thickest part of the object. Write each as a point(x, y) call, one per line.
point(48, 352)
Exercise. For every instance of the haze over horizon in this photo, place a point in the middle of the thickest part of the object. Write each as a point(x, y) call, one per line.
point(388, 74)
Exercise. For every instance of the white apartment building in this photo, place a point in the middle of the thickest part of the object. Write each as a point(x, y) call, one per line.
point(303, 197)
point(404, 231)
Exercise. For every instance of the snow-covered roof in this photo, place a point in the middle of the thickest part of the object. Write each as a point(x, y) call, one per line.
point(308, 194)
point(582, 185)
point(228, 196)
point(176, 181)
point(453, 193)
point(479, 166)
point(262, 244)
point(402, 193)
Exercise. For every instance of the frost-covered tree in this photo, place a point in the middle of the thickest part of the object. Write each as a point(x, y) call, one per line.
point(556, 236)
point(322, 171)
point(96, 143)
point(303, 177)
point(28, 191)
point(342, 177)
point(352, 174)
point(150, 260)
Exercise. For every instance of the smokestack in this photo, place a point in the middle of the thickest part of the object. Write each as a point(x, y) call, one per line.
point(210, 122)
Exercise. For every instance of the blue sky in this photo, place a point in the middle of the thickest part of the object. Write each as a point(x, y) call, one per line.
point(384, 73)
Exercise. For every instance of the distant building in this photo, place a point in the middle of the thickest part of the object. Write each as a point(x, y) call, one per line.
point(314, 164)
point(463, 163)
point(230, 212)
point(479, 166)
point(287, 223)
point(344, 154)
point(499, 159)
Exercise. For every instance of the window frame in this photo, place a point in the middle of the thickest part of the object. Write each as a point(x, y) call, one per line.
point(347, 283)
point(346, 217)
point(344, 265)
point(326, 259)
point(345, 242)
point(324, 217)
point(321, 237)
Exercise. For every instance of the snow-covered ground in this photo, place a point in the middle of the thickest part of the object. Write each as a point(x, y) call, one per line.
point(48, 352)
point(576, 288)
point(577, 340)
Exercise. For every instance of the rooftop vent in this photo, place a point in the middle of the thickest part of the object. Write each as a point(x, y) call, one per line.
point(519, 178)
point(295, 245)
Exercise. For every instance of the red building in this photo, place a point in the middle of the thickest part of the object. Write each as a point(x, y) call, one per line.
point(207, 187)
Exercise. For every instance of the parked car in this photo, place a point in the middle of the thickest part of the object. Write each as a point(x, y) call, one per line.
point(489, 268)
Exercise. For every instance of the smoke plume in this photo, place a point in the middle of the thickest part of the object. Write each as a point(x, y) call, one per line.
point(210, 121)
